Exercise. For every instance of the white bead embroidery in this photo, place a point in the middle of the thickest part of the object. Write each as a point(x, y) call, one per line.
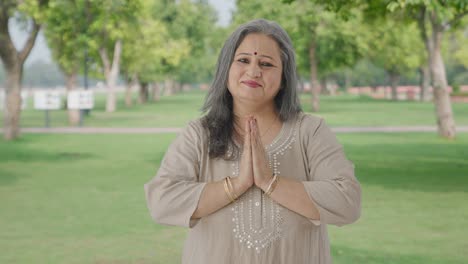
point(252, 225)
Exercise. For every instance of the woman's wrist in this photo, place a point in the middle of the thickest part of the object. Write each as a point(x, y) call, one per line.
point(240, 186)
point(265, 183)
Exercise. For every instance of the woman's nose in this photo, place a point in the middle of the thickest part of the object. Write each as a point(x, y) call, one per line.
point(254, 71)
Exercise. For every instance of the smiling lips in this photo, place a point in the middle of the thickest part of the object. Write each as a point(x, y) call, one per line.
point(251, 84)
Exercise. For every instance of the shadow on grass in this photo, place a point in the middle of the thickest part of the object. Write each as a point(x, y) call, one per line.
point(7, 177)
point(20, 151)
point(412, 166)
point(350, 256)
point(11, 152)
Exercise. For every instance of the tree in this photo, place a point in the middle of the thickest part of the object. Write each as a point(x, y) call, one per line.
point(149, 49)
point(461, 51)
point(110, 21)
point(434, 17)
point(332, 43)
point(195, 21)
point(395, 47)
point(65, 31)
point(30, 11)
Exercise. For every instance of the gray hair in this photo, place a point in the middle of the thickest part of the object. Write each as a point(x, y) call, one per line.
point(218, 105)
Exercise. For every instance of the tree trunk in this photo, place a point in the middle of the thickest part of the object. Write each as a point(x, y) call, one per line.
point(156, 92)
point(424, 82)
point(168, 86)
point(111, 71)
point(443, 105)
point(13, 61)
point(129, 92)
point(347, 80)
point(12, 110)
point(394, 80)
point(323, 86)
point(175, 87)
point(314, 82)
point(144, 93)
point(73, 114)
point(128, 95)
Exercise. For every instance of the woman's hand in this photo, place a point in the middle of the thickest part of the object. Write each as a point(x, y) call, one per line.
point(246, 175)
point(261, 171)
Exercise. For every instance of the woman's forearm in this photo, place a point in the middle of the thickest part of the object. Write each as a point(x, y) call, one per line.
point(214, 197)
point(292, 195)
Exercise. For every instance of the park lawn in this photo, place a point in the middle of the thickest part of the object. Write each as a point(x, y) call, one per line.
point(79, 199)
point(177, 110)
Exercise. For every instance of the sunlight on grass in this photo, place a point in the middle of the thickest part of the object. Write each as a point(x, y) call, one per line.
point(79, 199)
point(177, 110)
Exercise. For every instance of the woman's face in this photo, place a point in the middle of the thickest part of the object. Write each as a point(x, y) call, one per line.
point(255, 73)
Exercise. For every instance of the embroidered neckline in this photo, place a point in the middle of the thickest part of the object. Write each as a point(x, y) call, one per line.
point(256, 219)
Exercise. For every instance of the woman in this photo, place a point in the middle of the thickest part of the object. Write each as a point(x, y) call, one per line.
point(255, 179)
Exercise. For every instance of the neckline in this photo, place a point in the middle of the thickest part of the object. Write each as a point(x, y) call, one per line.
point(275, 140)
point(278, 136)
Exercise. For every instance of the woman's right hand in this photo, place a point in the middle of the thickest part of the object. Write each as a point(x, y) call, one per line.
point(246, 176)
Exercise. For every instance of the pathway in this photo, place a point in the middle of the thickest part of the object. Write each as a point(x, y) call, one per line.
point(154, 130)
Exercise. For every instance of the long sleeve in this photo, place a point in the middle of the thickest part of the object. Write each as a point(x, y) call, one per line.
point(332, 185)
point(173, 194)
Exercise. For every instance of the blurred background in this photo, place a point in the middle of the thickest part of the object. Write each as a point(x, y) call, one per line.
point(92, 92)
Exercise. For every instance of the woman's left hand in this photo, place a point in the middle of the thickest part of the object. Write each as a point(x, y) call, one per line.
point(261, 170)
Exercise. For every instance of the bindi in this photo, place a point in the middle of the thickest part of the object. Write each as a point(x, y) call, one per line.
point(255, 53)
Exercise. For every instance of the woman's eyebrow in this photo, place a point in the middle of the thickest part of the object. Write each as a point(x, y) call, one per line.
point(250, 54)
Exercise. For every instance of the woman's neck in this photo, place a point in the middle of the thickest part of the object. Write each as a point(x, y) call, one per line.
point(266, 116)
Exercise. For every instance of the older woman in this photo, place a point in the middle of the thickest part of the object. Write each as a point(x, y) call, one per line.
point(255, 179)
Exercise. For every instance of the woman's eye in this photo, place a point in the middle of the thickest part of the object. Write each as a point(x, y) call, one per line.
point(266, 64)
point(243, 60)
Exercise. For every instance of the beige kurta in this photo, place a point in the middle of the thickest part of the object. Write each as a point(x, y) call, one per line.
point(256, 229)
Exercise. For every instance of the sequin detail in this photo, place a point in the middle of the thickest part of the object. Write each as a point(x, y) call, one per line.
point(257, 220)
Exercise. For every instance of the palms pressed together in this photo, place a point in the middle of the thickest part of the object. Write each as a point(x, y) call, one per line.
point(254, 169)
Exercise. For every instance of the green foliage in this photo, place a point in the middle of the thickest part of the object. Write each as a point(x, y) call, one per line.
point(396, 47)
point(193, 22)
point(365, 73)
point(79, 25)
point(108, 22)
point(206, 41)
point(149, 46)
point(66, 33)
point(459, 43)
point(341, 43)
point(35, 9)
point(445, 12)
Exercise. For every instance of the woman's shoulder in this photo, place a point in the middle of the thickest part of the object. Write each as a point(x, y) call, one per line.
point(309, 123)
point(194, 129)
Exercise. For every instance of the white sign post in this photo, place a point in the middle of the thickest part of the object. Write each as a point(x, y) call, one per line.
point(47, 100)
point(2, 100)
point(81, 99)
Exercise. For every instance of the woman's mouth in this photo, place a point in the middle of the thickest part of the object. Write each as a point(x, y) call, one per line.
point(251, 84)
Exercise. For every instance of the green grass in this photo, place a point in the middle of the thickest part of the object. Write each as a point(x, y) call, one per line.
point(177, 110)
point(365, 111)
point(79, 199)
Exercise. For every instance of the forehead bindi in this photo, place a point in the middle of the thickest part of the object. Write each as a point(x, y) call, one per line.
point(259, 45)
